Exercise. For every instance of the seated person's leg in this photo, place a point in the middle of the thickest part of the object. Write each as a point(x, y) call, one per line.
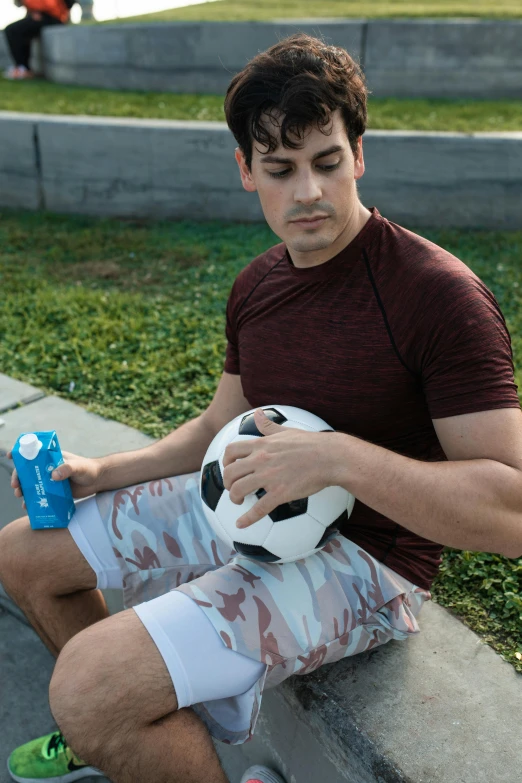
point(200, 665)
point(91, 538)
point(46, 575)
point(113, 698)
point(19, 36)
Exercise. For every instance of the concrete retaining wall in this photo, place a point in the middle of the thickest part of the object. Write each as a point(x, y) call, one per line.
point(448, 59)
point(182, 57)
point(168, 169)
point(19, 175)
point(436, 58)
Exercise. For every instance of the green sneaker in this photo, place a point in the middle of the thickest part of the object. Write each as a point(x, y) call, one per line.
point(48, 759)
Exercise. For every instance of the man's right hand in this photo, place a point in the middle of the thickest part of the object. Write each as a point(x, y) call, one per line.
point(84, 474)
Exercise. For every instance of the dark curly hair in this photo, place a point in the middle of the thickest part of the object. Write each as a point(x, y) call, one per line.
point(304, 79)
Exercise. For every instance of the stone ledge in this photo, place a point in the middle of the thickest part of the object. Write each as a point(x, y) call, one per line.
point(87, 165)
point(441, 707)
point(401, 57)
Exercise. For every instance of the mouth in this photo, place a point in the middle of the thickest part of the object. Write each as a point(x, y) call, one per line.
point(313, 222)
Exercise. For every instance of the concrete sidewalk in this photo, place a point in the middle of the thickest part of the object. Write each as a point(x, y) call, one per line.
point(25, 663)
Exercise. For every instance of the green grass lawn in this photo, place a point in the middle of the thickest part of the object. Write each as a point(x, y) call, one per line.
point(126, 318)
point(384, 113)
point(239, 10)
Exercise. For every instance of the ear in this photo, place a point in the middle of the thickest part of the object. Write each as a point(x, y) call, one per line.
point(358, 169)
point(244, 171)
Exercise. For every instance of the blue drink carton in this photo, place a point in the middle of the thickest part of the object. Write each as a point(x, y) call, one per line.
point(49, 503)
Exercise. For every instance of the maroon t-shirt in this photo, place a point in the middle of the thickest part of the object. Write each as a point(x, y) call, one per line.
point(389, 334)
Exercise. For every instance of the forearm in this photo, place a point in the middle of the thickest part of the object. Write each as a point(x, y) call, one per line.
point(179, 452)
point(471, 505)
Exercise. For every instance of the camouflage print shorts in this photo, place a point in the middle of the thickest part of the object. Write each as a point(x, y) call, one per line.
point(294, 617)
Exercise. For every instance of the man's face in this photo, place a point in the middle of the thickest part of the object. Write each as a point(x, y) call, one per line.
point(308, 195)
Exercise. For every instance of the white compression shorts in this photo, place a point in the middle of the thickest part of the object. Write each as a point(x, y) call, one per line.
point(202, 668)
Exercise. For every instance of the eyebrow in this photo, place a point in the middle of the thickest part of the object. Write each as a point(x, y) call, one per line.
point(324, 153)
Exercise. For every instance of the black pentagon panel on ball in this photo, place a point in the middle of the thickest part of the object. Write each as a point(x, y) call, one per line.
point(212, 484)
point(248, 425)
point(332, 530)
point(288, 510)
point(255, 552)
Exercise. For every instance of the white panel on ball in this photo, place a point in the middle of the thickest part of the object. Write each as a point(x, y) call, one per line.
point(294, 425)
point(299, 534)
point(254, 534)
point(328, 503)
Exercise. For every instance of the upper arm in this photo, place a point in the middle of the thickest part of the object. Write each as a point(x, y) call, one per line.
point(495, 435)
point(228, 402)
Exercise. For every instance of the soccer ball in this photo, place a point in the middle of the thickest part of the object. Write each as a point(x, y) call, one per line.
point(292, 530)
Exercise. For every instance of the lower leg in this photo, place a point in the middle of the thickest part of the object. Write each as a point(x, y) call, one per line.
point(19, 36)
point(57, 618)
point(176, 749)
point(49, 579)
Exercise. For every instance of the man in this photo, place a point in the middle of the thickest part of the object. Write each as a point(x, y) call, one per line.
point(391, 340)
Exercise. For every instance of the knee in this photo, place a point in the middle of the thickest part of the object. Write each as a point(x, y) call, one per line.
point(14, 549)
point(81, 697)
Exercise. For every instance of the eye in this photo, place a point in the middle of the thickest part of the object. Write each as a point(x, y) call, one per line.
point(330, 167)
point(279, 174)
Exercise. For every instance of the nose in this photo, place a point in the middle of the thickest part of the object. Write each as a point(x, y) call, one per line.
point(307, 189)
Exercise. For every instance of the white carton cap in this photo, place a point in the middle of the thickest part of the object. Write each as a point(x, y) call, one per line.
point(30, 446)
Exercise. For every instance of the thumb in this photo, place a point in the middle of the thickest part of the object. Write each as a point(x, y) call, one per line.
point(264, 424)
point(62, 472)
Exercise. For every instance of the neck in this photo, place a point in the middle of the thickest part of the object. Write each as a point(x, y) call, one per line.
point(357, 220)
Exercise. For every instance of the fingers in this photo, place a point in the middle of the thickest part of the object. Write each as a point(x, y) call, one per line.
point(239, 450)
point(236, 471)
point(16, 486)
point(62, 472)
point(243, 487)
point(263, 507)
point(15, 482)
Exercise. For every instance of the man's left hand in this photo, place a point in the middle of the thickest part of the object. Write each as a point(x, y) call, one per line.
point(289, 464)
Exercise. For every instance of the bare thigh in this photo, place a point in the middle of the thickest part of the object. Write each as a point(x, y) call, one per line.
point(47, 558)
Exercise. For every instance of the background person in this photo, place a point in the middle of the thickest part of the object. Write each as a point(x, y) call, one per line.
point(20, 34)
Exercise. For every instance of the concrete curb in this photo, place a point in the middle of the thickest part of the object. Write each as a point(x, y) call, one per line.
point(176, 169)
point(441, 708)
point(401, 57)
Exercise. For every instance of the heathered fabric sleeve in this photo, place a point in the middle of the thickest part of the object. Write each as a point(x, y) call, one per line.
point(232, 351)
point(246, 282)
point(466, 359)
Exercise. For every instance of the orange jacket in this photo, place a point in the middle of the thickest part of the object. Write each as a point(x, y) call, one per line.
point(56, 8)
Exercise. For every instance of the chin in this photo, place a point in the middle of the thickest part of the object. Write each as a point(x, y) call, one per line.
point(309, 244)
